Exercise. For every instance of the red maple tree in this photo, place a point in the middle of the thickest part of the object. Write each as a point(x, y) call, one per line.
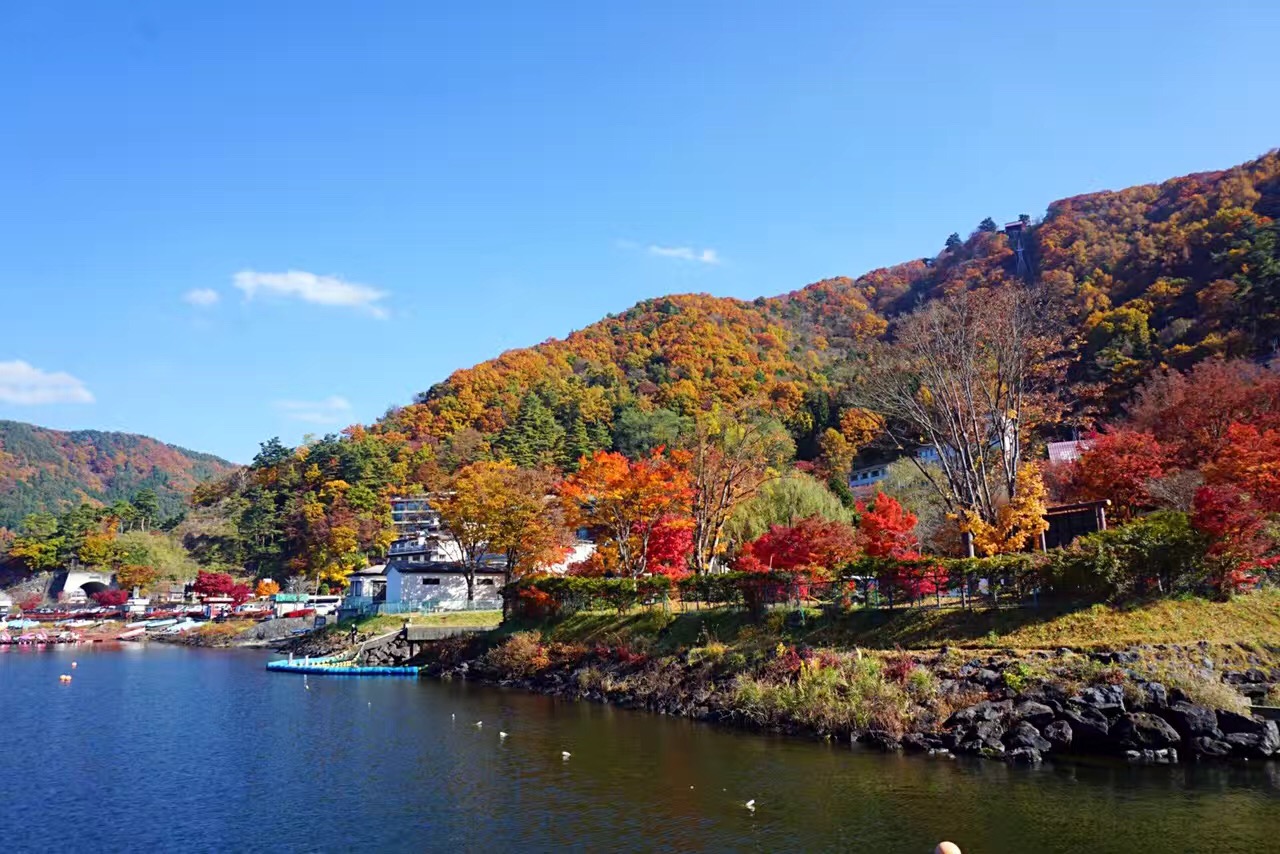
point(670, 546)
point(1119, 465)
point(1250, 461)
point(887, 529)
point(811, 544)
point(1236, 528)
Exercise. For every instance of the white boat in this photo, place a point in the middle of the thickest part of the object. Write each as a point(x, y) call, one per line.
point(159, 624)
point(132, 634)
point(179, 628)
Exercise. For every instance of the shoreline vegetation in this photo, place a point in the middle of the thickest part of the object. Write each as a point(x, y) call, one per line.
point(1156, 701)
point(1158, 682)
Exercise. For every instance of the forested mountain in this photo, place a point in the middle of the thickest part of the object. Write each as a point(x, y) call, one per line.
point(51, 470)
point(1150, 277)
point(1161, 274)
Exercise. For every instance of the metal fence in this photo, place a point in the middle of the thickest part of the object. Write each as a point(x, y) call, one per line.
point(361, 606)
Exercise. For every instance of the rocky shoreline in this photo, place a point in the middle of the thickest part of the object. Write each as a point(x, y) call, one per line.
point(1017, 707)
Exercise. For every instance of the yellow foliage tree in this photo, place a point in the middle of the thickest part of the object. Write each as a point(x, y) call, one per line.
point(137, 575)
point(1017, 522)
point(266, 587)
point(859, 427)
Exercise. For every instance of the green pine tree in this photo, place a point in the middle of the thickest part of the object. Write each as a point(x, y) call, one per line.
point(535, 438)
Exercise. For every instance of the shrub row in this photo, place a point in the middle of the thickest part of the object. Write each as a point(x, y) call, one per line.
point(1156, 554)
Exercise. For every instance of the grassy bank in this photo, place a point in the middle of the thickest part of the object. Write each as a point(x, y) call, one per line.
point(383, 623)
point(1253, 620)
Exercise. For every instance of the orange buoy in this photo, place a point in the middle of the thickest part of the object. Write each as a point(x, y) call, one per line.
point(947, 848)
point(66, 677)
point(73, 665)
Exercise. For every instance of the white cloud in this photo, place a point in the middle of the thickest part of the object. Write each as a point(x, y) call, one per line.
point(308, 287)
point(26, 385)
point(202, 297)
point(686, 253)
point(331, 410)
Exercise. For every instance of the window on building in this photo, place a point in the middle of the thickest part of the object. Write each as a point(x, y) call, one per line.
point(486, 582)
point(430, 582)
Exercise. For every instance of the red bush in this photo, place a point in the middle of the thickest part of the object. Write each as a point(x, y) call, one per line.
point(898, 667)
point(111, 598)
point(1238, 542)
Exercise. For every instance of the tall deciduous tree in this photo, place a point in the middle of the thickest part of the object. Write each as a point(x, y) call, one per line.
point(969, 376)
point(530, 529)
point(495, 508)
point(731, 457)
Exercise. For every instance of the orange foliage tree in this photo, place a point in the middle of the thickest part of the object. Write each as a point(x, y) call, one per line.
point(1250, 460)
point(495, 508)
point(622, 501)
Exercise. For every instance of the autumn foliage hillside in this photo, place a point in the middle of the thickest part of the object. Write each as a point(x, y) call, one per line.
point(1154, 275)
point(44, 470)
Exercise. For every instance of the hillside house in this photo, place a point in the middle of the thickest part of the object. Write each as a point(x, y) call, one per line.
point(442, 587)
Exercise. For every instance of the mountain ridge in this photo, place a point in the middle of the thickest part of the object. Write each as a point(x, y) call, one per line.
point(1154, 275)
point(43, 469)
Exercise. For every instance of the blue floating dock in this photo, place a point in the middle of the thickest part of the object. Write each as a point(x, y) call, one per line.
point(328, 667)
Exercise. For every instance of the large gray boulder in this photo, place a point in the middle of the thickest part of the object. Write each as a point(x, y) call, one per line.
point(1144, 731)
point(984, 711)
point(1192, 721)
point(1230, 722)
point(1024, 735)
point(1059, 735)
point(1203, 745)
point(1089, 727)
point(983, 739)
point(1024, 756)
point(1247, 744)
point(1034, 713)
point(1108, 699)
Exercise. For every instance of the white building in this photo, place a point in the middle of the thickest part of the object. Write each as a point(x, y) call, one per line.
point(368, 583)
point(442, 586)
point(80, 584)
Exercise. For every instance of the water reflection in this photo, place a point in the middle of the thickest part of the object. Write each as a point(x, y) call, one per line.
point(216, 754)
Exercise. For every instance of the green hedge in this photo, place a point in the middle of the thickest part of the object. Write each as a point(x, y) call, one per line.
point(1160, 553)
point(575, 593)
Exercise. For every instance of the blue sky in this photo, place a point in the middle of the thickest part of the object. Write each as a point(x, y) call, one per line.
point(228, 221)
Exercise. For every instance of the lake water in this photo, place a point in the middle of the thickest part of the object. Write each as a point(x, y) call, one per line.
point(167, 749)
